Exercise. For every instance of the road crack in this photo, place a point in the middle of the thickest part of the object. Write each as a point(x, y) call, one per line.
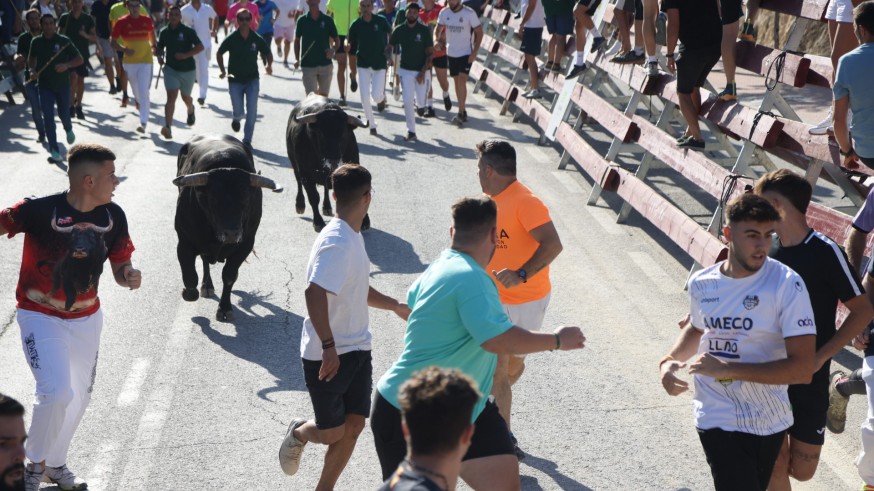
point(6, 325)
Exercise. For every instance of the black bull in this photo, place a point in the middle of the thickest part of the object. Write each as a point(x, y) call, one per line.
point(217, 213)
point(82, 265)
point(318, 138)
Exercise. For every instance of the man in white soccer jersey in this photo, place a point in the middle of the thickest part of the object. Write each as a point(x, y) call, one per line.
point(752, 333)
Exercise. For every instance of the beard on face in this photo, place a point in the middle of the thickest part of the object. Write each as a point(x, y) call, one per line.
point(17, 485)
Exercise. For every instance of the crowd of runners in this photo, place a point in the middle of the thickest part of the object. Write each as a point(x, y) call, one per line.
point(760, 331)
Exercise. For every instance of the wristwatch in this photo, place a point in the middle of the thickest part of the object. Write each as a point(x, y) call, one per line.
point(523, 274)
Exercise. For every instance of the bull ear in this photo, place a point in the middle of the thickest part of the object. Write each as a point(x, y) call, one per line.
point(192, 180)
point(356, 123)
point(263, 182)
point(307, 118)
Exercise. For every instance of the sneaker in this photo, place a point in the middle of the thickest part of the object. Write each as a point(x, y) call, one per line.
point(235, 125)
point(291, 449)
point(411, 137)
point(748, 31)
point(113, 90)
point(79, 113)
point(576, 70)
point(141, 128)
point(556, 67)
point(520, 454)
point(691, 143)
point(353, 85)
point(71, 137)
point(533, 94)
point(628, 58)
point(125, 100)
point(342, 101)
point(73, 112)
point(682, 139)
point(824, 126)
point(64, 478)
point(652, 69)
point(190, 120)
point(597, 43)
point(201, 100)
point(464, 116)
point(373, 132)
point(548, 66)
point(836, 417)
point(56, 156)
point(420, 111)
point(166, 133)
point(429, 113)
point(33, 474)
point(41, 136)
point(285, 63)
point(380, 106)
point(730, 92)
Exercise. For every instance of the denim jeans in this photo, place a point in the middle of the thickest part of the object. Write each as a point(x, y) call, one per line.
point(250, 90)
point(35, 110)
point(47, 100)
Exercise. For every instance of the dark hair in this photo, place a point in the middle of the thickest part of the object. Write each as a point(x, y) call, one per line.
point(499, 155)
point(46, 16)
point(787, 184)
point(863, 15)
point(350, 182)
point(10, 407)
point(437, 405)
point(472, 218)
point(175, 7)
point(242, 12)
point(750, 207)
point(88, 153)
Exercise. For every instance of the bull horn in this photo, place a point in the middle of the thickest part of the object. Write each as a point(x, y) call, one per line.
point(103, 230)
point(263, 182)
point(192, 180)
point(307, 118)
point(63, 230)
point(353, 121)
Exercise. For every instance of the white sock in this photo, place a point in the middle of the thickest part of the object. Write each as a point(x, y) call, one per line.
point(429, 104)
point(595, 32)
point(445, 94)
point(650, 59)
point(638, 50)
point(579, 58)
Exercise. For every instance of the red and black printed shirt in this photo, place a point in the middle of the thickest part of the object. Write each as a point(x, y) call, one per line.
point(44, 248)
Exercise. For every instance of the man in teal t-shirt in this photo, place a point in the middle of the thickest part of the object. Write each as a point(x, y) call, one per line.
point(457, 321)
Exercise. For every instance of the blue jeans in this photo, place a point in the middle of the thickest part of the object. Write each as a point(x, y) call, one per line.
point(35, 110)
point(47, 100)
point(250, 90)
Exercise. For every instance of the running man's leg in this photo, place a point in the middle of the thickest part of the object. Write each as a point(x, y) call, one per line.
point(201, 63)
point(252, 89)
point(490, 462)
point(650, 12)
point(35, 110)
point(366, 74)
point(236, 91)
point(377, 84)
point(170, 108)
point(408, 86)
point(740, 460)
point(47, 108)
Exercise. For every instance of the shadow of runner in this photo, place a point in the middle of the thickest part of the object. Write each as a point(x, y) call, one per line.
point(549, 468)
point(391, 254)
point(270, 341)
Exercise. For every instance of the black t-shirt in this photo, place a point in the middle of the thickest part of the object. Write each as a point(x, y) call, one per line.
point(700, 22)
point(100, 13)
point(407, 479)
point(824, 267)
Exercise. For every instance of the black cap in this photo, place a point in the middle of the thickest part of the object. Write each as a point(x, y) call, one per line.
point(413, 5)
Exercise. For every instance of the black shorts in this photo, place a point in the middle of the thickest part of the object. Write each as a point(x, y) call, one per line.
point(222, 19)
point(809, 408)
point(81, 70)
point(732, 11)
point(441, 62)
point(532, 39)
point(120, 55)
point(634, 7)
point(491, 437)
point(740, 460)
point(458, 65)
point(347, 393)
point(694, 65)
point(591, 6)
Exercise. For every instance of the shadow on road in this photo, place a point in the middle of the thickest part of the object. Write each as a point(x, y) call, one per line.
point(391, 254)
point(270, 340)
point(549, 468)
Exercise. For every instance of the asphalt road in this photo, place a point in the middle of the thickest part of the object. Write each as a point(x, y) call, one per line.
point(185, 402)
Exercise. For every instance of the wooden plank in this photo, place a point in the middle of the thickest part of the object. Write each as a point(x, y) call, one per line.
point(498, 16)
point(758, 59)
point(537, 112)
point(587, 157)
point(634, 76)
point(820, 73)
point(809, 9)
point(511, 55)
point(612, 119)
point(478, 72)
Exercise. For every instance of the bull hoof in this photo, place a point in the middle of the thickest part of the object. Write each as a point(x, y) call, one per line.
point(300, 209)
point(189, 294)
point(318, 227)
point(328, 212)
point(223, 316)
point(365, 224)
point(207, 292)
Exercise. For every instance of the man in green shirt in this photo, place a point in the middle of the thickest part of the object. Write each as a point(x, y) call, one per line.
point(31, 17)
point(343, 12)
point(417, 49)
point(369, 37)
point(181, 44)
point(51, 57)
point(318, 35)
point(81, 29)
point(243, 46)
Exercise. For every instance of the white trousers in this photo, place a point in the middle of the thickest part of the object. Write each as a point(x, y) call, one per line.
point(414, 94)
point(865, 461)
point(201, 63)
point(62, 355)
point(140, 77)
point(372, 87)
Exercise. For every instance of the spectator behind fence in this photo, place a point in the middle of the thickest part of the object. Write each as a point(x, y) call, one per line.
point(12, 436)
point(852, 82)
point(731, 11)
point(632, 12)
point(436, 409)
point(698, 26)
point(559, 23)
point(841, 40)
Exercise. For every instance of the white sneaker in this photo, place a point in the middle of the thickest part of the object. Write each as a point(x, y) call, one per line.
point(613, 49)
point(823, 127)
point(33, 475)
point(291, 449)
point(64, 478)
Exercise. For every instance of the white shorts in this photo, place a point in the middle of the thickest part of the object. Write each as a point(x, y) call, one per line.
point(840, 11)
point(529, 315)
point(283, 32)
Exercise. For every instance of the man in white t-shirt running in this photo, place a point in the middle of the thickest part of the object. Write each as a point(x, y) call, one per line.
point(202, 18)
point(335, 343)
point(283, 26)
point(458, 25)
point(752, 333)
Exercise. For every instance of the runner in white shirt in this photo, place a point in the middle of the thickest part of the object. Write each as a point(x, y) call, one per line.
point(202, 18)
point(752, 333)
point(283, 26)
point(458, 25)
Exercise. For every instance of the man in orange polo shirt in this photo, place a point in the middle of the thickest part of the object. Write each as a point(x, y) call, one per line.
point(527, 244)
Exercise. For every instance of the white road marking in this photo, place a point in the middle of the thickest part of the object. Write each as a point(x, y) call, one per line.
point(97, 476)
point(564, 177)
point(539, 154)
point(655, 273)
point(130, 391)
point(605, 217)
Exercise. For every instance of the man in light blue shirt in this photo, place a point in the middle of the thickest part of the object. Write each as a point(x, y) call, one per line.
point(852, 91)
